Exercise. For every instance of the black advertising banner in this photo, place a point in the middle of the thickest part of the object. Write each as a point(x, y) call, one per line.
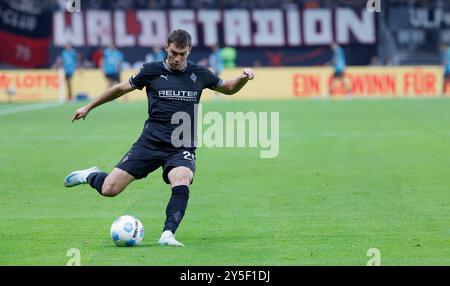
point(25, 33)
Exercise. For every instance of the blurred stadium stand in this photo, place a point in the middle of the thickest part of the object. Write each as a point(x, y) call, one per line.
point(408, 32)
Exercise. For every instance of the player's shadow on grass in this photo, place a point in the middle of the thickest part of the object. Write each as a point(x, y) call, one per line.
point(221, 238)
point(142, 245)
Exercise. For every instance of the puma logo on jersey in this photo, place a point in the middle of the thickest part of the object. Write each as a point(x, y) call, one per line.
point(165, 76)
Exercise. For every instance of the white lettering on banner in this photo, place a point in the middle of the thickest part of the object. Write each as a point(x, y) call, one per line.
point(184, 19)
point(209, 19)
point(425, 18)
point(239, 27)
point(363, 28)
point(74, 33)
point(122, 38)
point(318, 27)
point(18, 20)
point(269, 27)
point(293, 25)
point(23, 52)
point(99, 28)
point(154, 28)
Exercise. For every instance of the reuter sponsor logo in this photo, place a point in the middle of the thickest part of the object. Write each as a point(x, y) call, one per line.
point(186, 95)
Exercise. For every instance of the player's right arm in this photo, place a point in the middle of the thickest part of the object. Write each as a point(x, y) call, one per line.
point(110, 94)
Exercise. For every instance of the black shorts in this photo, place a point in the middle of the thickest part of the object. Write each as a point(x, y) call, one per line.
point(113, 76)
point(339, 74)
point(141, 160)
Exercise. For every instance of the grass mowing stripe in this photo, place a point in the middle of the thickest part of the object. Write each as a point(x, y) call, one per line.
point(28, 107)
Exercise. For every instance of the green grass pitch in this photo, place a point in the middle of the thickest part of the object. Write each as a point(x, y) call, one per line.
point(351, 175)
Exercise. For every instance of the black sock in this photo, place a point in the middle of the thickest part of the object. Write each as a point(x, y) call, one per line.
point(96, 180)
point(176, 207)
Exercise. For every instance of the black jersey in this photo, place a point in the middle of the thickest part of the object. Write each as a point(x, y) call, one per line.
point(169, 92)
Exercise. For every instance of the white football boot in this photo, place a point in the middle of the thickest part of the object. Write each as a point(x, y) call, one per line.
point(79, 177)
point(168, 238)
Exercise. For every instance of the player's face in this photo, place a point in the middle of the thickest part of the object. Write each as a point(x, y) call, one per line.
point(177, 57)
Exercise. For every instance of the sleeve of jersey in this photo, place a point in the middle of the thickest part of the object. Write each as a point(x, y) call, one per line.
point(212, 81)
point(140, 79)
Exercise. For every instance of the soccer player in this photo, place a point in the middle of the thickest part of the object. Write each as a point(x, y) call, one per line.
point(446, 62)
point(215, 60)
point(173, 86)
point(339, 65)
point(112, 63)
point(69, 61)
point(159, 54)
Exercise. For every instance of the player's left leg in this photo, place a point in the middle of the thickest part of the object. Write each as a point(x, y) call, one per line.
point(179, 171)
point(347, 85)
point(180, 179)
point(445, 84)
point(69, 86)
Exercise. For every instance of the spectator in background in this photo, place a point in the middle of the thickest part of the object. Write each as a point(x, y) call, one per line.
point(215, 63)
point(112, 64)
point(159, 54)
point(157, 4)
point(311, 4)
point(375, 61)
point(229, 57)
point(339, 64)
point(446, 62)
point(96, 57)
point(179, 4)
point(69, 62)
point(215, 60)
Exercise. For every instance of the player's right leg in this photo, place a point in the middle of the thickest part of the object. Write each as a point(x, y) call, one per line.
point(79, 177)
point(115, 182)
point(332, 86)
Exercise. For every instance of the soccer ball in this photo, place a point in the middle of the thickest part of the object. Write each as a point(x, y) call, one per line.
point(127, 231)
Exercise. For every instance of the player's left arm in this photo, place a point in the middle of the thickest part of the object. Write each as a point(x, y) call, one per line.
point(232, 86)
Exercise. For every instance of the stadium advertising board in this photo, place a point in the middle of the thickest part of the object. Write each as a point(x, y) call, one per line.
point(29, 85)
point(273, 83)
point(371, 82)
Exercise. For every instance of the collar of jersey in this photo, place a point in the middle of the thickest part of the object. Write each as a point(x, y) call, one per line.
point(167, 67)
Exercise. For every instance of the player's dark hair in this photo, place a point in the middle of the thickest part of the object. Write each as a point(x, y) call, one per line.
point(180, 38)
